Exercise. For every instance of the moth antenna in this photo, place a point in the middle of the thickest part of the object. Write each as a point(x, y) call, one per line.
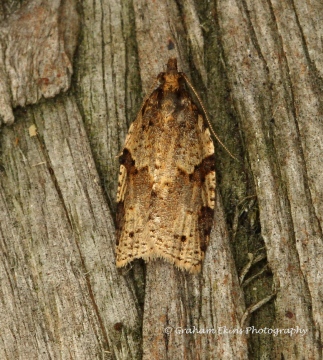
point(206, 116)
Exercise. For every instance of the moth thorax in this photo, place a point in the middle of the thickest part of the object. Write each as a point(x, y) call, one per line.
point(171, 82)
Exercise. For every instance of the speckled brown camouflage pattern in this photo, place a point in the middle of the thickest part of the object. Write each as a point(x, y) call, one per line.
point(166, 188)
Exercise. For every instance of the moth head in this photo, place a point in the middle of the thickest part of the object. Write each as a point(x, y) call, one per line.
point(170, 79)
point(172, 66)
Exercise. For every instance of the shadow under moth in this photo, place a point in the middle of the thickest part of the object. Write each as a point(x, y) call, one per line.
point(166, 186)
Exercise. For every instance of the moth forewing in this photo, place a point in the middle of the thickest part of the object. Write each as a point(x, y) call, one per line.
point(166, 190)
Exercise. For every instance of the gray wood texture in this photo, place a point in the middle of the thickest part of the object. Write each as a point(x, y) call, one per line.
point(78, 71)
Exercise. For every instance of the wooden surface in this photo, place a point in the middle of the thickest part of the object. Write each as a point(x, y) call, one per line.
point(78, 72)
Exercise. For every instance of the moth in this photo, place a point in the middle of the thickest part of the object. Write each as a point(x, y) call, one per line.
point(166, 186)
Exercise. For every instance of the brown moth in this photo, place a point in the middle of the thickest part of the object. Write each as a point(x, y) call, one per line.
point(166, 188)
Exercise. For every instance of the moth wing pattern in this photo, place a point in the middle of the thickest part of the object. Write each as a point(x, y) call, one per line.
point(166, 186)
